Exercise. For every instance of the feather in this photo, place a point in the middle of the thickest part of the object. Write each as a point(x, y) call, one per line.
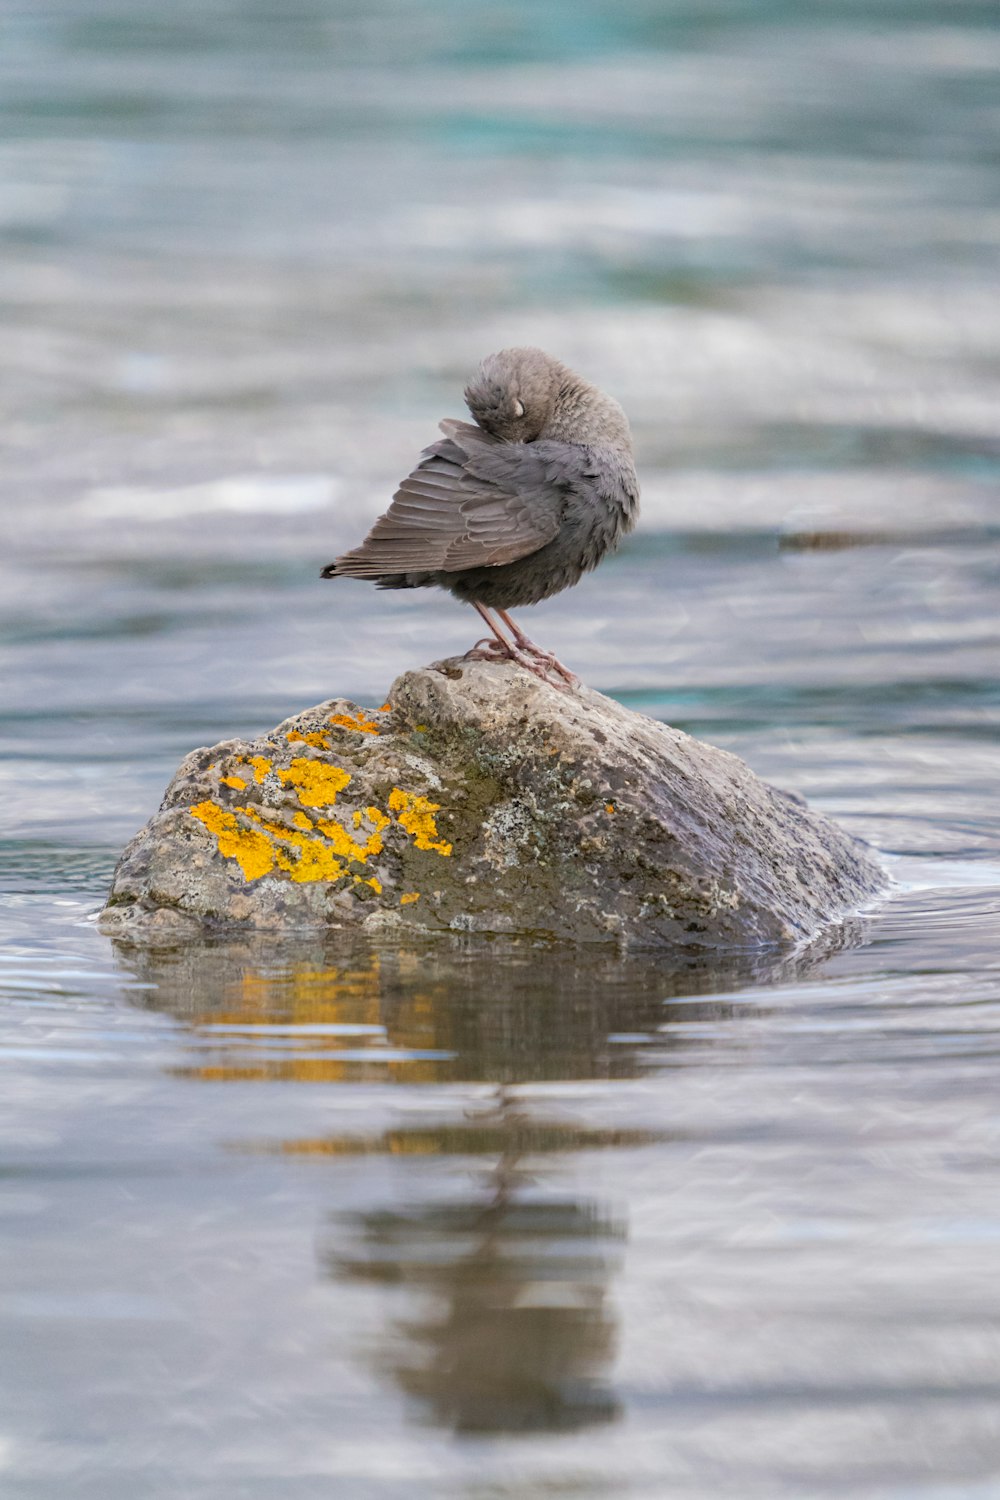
point(472, 502)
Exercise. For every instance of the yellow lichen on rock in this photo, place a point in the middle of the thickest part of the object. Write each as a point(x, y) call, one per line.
point(356, 721)
point(345, 846)
point(408, 897)
point(316, 860)
point(252, 850)
point(301, 844)
point(416, 815)
point(314, 737)
point(268, 844)
point(315, 782)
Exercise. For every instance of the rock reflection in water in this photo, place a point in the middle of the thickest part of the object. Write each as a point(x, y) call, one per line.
point(513, 1329)
point(344, 1010)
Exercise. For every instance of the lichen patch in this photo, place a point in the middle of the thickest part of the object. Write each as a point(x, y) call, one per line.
point(252, 850)
point(348, 848)
point(416, 815)
point(316, 782)
point(302, 843)
point(356, 721)
point(314, 737)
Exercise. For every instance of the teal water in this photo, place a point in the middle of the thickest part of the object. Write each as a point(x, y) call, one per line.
point(317, 1218)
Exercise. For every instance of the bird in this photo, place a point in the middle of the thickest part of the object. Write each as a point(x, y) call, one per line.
point(512, 507)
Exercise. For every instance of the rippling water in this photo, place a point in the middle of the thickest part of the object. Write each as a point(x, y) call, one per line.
point(477, 1221)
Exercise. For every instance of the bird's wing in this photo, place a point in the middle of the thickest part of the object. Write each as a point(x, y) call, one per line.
point(472, 502)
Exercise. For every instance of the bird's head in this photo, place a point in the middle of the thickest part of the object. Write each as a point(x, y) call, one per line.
point(514, 393)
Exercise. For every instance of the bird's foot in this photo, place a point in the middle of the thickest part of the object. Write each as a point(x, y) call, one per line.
point(538, 662)
point(553, 664)
point(547, 660)
point(488, 649)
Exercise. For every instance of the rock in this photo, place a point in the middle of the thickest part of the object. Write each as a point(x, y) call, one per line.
point(482, 800)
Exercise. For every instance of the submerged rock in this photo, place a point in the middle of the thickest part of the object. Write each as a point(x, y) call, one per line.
point(481, 799)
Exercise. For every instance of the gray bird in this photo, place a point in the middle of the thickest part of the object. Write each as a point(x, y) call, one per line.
point(513, 509)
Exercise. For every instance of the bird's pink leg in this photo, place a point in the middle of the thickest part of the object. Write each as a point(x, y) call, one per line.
point(501, 649)
point(522, 643)
point(490, 648)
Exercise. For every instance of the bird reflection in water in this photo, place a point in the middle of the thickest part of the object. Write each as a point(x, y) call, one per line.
point(511, 1326)
point(516, 1332)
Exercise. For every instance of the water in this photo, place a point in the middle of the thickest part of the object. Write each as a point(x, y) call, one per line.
point(479, 1221)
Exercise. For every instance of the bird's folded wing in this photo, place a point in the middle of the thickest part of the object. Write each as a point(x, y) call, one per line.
point(471, 502)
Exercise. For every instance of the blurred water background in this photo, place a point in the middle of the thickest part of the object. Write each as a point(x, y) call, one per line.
point(315, 1219)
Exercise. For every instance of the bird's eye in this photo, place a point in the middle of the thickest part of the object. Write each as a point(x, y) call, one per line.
point(518, 409)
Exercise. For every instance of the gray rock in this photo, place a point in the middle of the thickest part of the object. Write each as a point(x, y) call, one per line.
point(481, 799)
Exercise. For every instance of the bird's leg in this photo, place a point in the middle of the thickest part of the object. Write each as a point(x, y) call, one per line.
point(494, 647)
point(522, 643)
point(501, 649)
